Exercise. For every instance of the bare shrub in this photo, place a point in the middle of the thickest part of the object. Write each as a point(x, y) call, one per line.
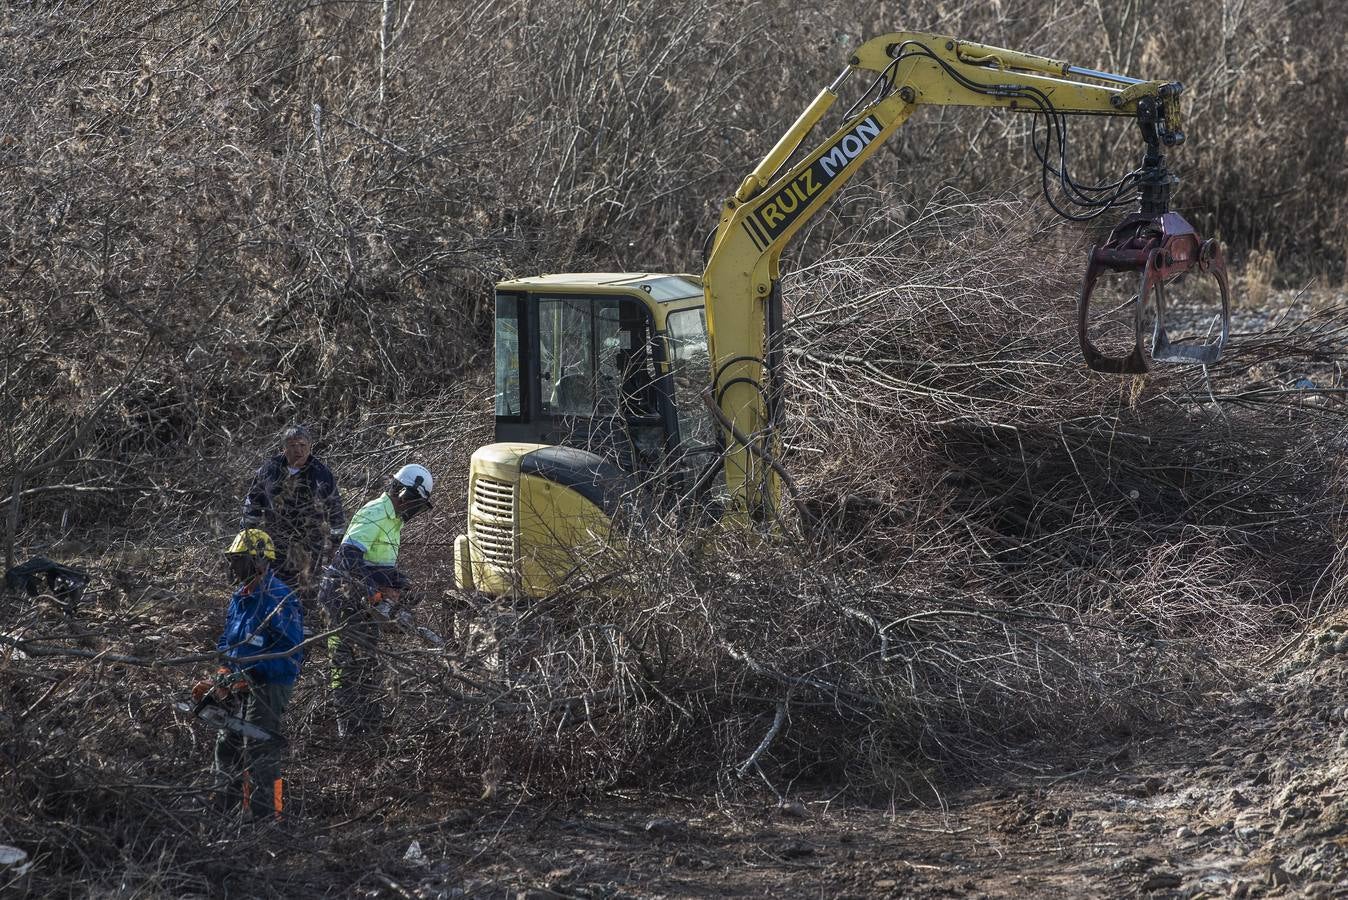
point(1257, 278)
point(217, 220)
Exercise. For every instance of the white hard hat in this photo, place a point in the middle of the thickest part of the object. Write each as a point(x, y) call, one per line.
point(415, 476)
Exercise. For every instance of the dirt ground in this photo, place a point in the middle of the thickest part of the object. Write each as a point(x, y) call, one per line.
point(1246, 798)
point(1246, 795)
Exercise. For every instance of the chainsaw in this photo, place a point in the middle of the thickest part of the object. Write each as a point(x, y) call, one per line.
point(222, 715)
point(388, 608)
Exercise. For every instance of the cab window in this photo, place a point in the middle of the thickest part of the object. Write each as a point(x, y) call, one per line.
point(690, 365)
point(565, 357)
point(594, 358)
point(508, 394)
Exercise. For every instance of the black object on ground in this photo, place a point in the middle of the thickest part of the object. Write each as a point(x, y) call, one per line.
point(40, 574)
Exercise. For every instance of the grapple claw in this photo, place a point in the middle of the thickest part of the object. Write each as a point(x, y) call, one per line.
point(1162, 249)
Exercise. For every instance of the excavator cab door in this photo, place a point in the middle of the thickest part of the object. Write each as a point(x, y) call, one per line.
point(579, 371)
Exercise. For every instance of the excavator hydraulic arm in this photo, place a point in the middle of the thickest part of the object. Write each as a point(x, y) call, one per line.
point(776, 199)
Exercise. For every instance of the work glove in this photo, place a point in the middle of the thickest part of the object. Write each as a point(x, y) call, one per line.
point(225, 682)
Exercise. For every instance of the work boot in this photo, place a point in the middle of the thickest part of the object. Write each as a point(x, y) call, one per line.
point(263, 805)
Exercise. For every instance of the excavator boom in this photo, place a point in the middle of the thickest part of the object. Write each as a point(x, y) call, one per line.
point(740, 282)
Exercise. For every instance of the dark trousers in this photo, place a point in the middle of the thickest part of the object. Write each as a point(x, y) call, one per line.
point(248, 771)
point(298, 565)
point(355, 671)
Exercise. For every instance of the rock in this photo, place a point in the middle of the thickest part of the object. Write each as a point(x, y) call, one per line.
point(1277, 875)
point(414, 854)
point(1134, 865)
point(793, 809)
point(1311, 860)
point(1288, 796)
point(795, 850)
point(664, 828)
point(1053, 817)
point(1161, 881)
point(1184, 833)
point(1336, 813)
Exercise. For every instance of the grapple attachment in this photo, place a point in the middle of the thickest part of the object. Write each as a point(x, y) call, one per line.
point(1162, 249)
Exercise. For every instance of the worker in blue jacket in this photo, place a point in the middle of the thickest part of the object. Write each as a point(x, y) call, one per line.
point(264, 625)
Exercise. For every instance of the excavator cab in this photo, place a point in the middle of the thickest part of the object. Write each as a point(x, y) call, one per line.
point(598, 402)
point(596, 364)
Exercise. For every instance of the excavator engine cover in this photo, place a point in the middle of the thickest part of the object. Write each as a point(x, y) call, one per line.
point(1161, 249)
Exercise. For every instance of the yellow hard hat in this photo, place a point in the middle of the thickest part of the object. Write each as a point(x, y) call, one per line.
point(253, 542)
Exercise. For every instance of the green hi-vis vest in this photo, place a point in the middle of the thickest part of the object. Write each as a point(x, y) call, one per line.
point(376, 531)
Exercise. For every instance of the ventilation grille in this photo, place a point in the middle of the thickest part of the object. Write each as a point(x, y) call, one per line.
point(492, 522)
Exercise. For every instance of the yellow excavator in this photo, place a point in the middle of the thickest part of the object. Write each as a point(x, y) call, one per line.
point(616, 390)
